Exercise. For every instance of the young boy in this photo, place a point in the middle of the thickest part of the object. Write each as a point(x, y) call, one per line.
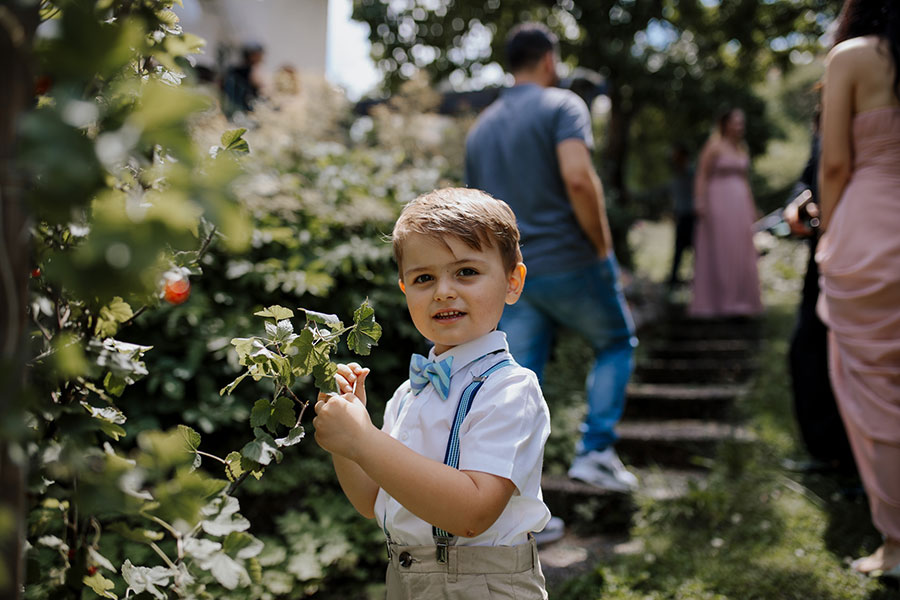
point(453, 530)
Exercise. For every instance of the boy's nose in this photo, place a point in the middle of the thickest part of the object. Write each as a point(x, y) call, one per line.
point(444, 290)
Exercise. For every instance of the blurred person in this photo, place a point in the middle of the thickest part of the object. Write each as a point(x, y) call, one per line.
point(532, 149)
point(726, 280)
point(243, 84)
point(859, 253)
point(818, 418)
point(681, 190)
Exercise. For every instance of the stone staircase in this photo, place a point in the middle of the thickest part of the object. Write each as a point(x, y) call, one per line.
point(681, 408)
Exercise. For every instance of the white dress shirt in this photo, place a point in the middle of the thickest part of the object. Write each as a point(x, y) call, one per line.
point(503, 434)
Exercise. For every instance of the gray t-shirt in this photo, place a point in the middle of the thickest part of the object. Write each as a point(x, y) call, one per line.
point(511, 154)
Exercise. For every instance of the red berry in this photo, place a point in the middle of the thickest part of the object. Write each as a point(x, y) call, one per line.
point(91, 570)
point(71, 553)
point(177, 290)
point(36, 273)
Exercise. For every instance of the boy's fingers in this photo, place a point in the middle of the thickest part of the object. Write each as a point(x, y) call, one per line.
point(346, 371)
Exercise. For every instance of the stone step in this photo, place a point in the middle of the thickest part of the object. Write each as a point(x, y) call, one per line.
point(697, 370)
point(688, 349)
point(675, 443)
point(707, 329)
point(655, 401)
point(585, 508)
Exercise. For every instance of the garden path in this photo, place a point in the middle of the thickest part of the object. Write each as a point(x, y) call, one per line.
point(681, 403)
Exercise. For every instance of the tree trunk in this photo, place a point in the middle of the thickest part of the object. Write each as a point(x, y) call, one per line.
point(18, 22)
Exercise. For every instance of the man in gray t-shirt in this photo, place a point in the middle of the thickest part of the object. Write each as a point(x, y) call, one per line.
point(532, 149)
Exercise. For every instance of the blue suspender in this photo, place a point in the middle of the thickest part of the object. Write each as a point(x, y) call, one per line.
point(443, 539)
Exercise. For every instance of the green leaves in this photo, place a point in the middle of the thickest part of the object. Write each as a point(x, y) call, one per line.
point(276, 312)
point(366, 331)
point(233, 141)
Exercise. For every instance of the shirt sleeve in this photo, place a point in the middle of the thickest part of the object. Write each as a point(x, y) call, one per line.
point(573, 120)
point(507, 427)
point(392, 408)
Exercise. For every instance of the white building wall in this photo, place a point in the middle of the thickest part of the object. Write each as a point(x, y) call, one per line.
point(293, 32)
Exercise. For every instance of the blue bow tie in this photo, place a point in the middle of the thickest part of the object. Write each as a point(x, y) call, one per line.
point(423, 371)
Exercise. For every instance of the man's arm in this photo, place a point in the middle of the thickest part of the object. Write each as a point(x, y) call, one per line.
point(585, 192)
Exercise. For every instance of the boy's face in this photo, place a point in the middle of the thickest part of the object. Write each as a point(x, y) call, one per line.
point(455, 293)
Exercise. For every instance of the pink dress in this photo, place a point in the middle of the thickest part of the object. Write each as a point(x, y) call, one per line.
point(726, 282)
point(859, 258)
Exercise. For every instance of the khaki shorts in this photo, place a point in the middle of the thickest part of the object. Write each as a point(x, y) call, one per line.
point(471, 572)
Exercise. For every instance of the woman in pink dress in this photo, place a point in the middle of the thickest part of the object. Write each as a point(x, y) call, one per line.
point(726, 282)
point(859, 254)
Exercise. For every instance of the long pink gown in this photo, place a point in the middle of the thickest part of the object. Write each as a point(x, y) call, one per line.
point(859, 258)
point(726, 281)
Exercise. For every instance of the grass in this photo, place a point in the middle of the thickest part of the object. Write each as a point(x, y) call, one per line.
point(752, 530)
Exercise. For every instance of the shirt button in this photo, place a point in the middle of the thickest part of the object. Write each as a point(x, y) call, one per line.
point(405, 560)
point(404, 436)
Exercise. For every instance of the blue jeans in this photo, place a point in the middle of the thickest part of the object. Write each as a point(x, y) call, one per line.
point(590, 302)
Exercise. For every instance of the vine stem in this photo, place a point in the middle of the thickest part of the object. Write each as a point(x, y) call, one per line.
point(213, 456)
point(175, 533)
point(163, 555)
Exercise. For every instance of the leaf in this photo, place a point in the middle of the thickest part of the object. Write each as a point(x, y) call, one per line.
point(232, 140)
point(145, 579)
point(112, 430)
point(283, 413)
point(295, 436)
point(191, 438)
point(114, 384)
point(201, 549)
point(227, 519)
point(261, 412)
point(95, 558)
point(275, 312)
point(230, 387)
point(331, 321)
point(225, 569)
point(324, 376)
point(242, 545)
point(101, 585)
point(117, 311)
point(306, 358)
point(233, 468)
point(261, 452)
point(366, 331)
point(243, 346)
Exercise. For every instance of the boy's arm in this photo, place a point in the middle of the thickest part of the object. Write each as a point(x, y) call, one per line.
point(357, 485)
point(464, 503)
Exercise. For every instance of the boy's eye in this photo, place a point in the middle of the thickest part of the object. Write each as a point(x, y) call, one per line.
point(467, 272)
point(422, 279)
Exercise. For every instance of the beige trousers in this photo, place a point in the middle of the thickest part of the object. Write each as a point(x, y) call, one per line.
point(471, 572)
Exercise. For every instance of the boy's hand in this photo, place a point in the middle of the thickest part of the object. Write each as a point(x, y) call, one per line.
point(341, 422)
point(351, 379)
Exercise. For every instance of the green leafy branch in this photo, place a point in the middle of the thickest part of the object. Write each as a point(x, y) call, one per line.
point(284, 356)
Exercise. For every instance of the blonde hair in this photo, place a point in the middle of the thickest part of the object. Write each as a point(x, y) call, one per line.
point(470, 215)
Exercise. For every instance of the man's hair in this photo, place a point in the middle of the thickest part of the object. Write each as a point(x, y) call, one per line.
point(527, 44)
point(470, 215)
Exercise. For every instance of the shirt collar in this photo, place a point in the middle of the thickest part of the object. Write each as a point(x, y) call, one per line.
point(465, 354)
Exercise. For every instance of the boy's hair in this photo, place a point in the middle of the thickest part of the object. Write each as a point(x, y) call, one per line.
point(527, 44)
point(476, 218)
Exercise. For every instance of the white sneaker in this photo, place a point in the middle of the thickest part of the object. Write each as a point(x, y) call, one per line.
point(604, 470)
point(552, 531)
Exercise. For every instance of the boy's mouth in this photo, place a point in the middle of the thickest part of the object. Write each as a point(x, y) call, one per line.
point(448, 315)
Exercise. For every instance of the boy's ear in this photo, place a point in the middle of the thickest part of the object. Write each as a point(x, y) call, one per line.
point(402, 286)
point(516, 283)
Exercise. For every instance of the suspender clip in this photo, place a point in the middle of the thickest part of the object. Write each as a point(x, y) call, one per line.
point(441, 553)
